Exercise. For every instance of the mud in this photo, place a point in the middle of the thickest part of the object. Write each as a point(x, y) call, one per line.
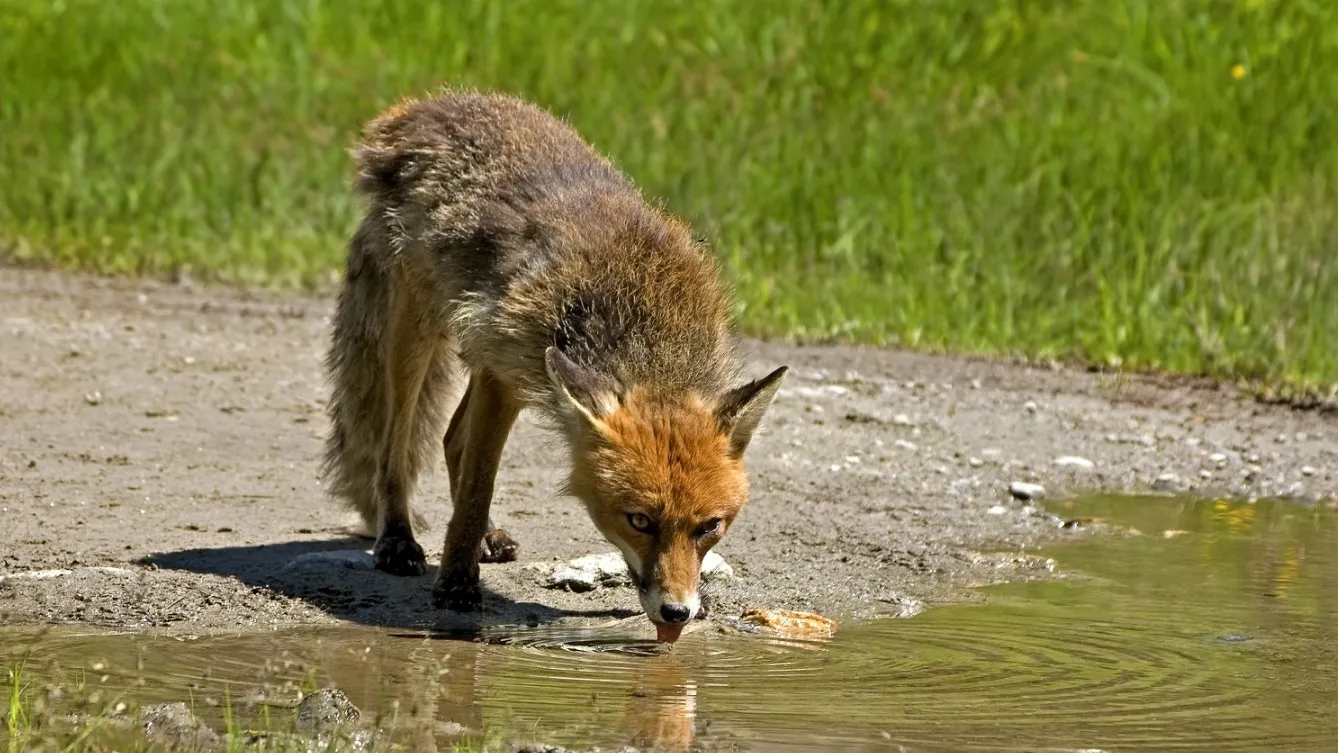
point(159, 446)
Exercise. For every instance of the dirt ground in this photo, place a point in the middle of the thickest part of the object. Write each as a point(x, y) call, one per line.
point(159, 448)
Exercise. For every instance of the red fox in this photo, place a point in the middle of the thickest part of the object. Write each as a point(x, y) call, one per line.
point(500, 247)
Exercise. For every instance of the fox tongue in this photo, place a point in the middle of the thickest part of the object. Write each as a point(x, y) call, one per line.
point(667, 633)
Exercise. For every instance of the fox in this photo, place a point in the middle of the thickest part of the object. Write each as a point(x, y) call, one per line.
point(500, 254)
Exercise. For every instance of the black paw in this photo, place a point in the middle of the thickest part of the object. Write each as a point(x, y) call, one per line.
point(498, 546)
point(457, 592)
point(399, 556)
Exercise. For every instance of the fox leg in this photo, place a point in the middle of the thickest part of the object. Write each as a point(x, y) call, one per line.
point(410, 353)
point(498, 546)
point(473, 443)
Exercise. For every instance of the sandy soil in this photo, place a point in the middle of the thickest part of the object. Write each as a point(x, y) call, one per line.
point(159, 447)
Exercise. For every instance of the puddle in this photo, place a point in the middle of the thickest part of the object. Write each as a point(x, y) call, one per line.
point(1219, 635)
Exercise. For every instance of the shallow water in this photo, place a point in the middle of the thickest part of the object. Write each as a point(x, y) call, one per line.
point(1211, 626)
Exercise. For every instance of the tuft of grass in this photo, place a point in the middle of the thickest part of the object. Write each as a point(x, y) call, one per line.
point(1136, 183)
point(17, 722)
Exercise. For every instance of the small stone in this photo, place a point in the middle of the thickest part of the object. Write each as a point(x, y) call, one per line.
point(1218, 458)
point(1307, 470)
point(1029, 407)
point(173, 726)
point(1205, 474)
point(714, 566)
point(1027, 492)
point(324, 710)
point(1166, 482)
point(1252, 474)
point(1073, 461)
point(975, 462)
point(339, 559)
point(975, 384)
point(997, 510)
point(93, 398)
point(901, 419)
point(903, 444)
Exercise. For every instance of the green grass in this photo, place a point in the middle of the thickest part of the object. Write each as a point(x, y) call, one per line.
point(1089, 179)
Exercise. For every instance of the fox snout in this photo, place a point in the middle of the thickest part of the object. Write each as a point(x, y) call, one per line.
point(672, 601)
point(667, 586)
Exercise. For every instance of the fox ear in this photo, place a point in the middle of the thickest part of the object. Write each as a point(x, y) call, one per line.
point(591, 395)
point(741, 409)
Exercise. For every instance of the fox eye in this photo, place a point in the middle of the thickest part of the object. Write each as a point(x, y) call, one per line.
point(709, 528)
point(640, 522)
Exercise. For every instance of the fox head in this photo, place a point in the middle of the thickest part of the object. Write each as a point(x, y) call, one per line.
point(661, 475)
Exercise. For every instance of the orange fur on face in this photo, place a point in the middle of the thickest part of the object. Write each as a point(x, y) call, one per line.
point(669, 459)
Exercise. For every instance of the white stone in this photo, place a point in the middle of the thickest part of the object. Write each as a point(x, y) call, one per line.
point(1023, 490)
point(350, 559)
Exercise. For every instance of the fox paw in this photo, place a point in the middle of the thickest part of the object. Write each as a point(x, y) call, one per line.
point(457, 592)
point(399, 556)
point(498, 546)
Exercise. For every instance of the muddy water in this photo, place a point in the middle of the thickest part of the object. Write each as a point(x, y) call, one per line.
point(1201, 625)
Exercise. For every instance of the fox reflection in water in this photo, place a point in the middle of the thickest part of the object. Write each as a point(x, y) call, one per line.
point(436, 691)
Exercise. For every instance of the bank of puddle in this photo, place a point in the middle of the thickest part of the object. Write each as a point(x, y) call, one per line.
point(1198, 625)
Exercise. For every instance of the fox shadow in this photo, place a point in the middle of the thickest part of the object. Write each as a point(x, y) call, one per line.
point(337, 577)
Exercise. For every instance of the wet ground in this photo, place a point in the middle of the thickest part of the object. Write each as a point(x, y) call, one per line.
point(1194, 625)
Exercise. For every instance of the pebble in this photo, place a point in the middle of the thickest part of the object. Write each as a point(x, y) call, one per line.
point(1144, 439)
point(1024, 491)
point(339, 559)
point(1218, 458)
point(903, 444)
point(901, 419)
point(997, 510)
point(1166, 481)
point(975, 462)
point(1029, 407)
point(1074, 462)
point(173, 726)
point(93, 398)
point(1308, 470)
point(325, 709)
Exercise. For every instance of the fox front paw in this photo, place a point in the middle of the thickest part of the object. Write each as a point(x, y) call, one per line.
point(399, 556)
point(457, 592)
point(498, 546)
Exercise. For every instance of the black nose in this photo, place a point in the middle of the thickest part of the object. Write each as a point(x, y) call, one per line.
point(675, 613)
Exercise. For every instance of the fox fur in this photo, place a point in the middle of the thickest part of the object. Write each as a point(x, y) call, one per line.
point(501, 254)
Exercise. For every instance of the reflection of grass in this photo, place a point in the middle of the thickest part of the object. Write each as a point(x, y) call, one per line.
point(1140, 182)
point(33, 724)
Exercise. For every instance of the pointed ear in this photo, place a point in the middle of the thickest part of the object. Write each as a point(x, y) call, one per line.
point(741, 409)
point(591, 395)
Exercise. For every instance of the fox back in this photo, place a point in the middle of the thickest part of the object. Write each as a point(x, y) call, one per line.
point(548, 270)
